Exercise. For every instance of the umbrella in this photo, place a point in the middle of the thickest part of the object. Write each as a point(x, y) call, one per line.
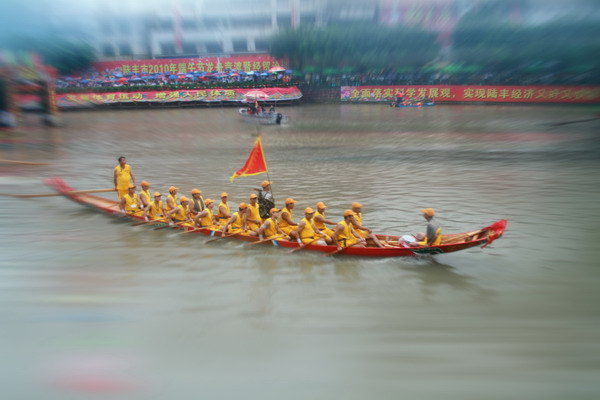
point(172, 77)
point(276, 69)
point(189, 76)
point(264, 74)
point(119, 75)
point(256, 95)
point(121, 80)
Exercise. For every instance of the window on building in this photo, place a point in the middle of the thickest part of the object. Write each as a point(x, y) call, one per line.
point(189, 48)
point(240, 46)
point(189, 24)
point(124, 27)
point(108, 50)
point(213, 48)
point(125, 49)
point(261, 45)
point(165, 24)
point(167, 49)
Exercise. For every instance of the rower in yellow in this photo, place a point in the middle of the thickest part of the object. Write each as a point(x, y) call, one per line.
point(434, 231)
point(360, 229)
point(237, 223)
point(144, 197)
point(270, 228)
point(308, 232)
point(129, 203)
point(206, 218)
point(155, 211)
point(286, 222)
point(123, 177)
point(320, 220)
point(197, 202)
point(223, 213)
point(254, 220)
point(171, 199)
point(345, 235)
point(181, 213)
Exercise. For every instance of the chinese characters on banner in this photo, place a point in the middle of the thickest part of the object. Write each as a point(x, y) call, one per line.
point(67, 100)
point(177, 66)
point(500, 94)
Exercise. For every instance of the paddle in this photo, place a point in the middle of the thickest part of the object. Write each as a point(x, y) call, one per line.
point(29, 196)
point(191, 230)
point(303, 245)
point(338, 251)
point(23, 162)
point(221, 237)
point(266, 240)
point(154, 221)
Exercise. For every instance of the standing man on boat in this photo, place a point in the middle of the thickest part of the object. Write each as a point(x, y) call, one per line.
point(344, 234)
point(197, 202)
point(254, 220)
point(144, 197)
point(433, 236)
point(224, 214)
point(286, 221)
point(123, 177)
point(265, 199)
point(360, 229)
point(206, 218)
point(320, 220)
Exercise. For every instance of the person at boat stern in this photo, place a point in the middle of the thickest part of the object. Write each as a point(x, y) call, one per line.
point(265, 199)
point(123, 177)
point(434, 231)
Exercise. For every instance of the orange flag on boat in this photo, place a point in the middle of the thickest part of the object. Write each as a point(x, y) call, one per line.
point(255, 164)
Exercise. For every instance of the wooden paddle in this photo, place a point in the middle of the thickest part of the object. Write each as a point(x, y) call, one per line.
point(221, 237)
point(23, 162)
point(30, 196)
point(154, 221)
point(338, 251)
point(191, 230)
point(266, 240)
point(303, 245)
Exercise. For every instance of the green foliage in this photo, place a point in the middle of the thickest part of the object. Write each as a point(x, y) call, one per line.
point(360, 46)
point(560, 45)
point(68, 56)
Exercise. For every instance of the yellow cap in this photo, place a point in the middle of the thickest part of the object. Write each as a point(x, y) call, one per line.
point(172, 188)
point(224, 194)
point(183, 198)
point(348, 213)
point(272, 210)
point(243, 206)
point(321, 205)
point(289, 200)
point(157, 194)
point(253, 196)
point(196, 191)
point(309, 210)
point(265, 183)
point(131, 187)
point(356, 205)
point(430, 212)
point(208, 201)
point(145, 183)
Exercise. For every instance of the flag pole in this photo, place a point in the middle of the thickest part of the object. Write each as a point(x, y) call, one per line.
point(265, 157)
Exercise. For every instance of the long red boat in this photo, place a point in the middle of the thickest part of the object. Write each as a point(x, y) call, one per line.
point(450, 242)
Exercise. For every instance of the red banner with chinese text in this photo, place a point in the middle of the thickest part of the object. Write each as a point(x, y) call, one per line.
point(67, 100)
point(474, 93)
point(185, 65)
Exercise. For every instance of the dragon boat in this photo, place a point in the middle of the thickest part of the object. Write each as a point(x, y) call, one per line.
point(450, 242)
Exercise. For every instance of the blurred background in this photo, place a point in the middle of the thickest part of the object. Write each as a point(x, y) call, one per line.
point(92, 307)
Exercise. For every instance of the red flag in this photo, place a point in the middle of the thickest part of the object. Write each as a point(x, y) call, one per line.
point(255, 164)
